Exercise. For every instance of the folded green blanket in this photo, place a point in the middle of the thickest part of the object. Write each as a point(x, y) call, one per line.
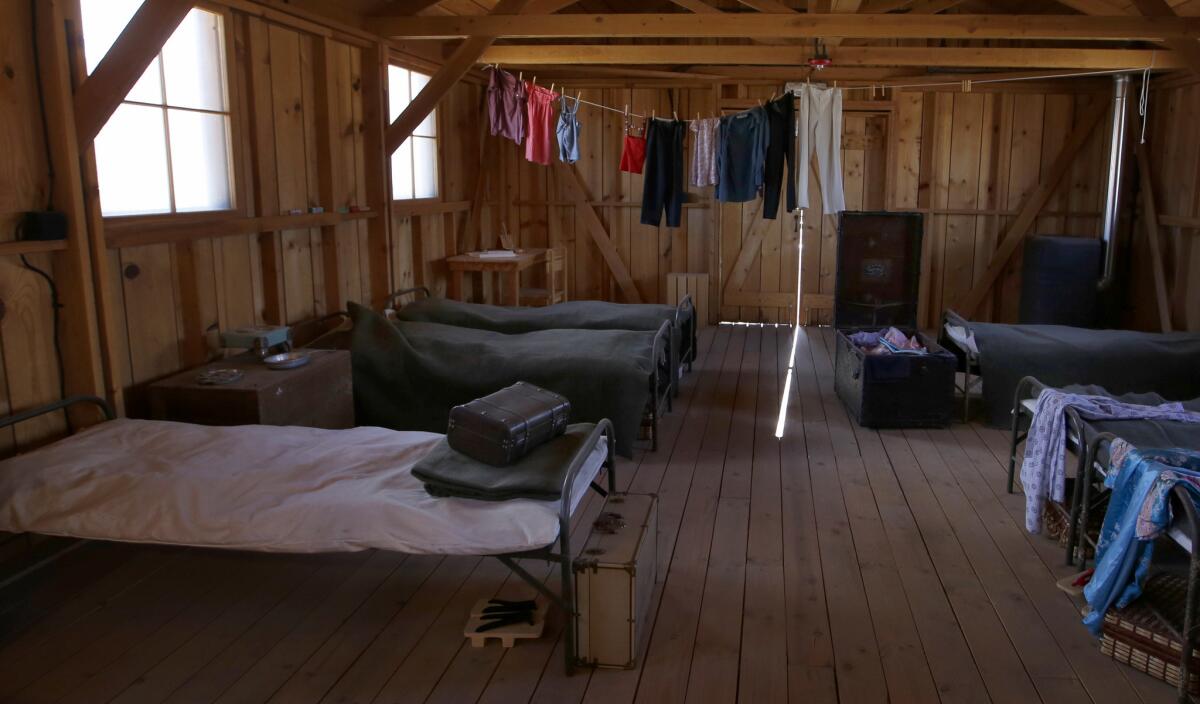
point(407, 376)
point(538, 475)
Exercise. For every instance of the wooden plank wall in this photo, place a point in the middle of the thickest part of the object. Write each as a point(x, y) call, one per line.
point(964, 159)
point(28, 372)
point(528, 199)
point(172, 297)
point(1174, 148)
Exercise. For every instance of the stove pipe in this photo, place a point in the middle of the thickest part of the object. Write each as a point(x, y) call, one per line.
point(1116, 168)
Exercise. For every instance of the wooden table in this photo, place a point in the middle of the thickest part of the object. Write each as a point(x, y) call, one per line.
point(459, 264)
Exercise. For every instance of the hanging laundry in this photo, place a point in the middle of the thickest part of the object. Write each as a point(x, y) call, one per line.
point(540, 107)
point(741, 153)
point(633, 149)
point(819, 122)
point(568, 131)
point(506, 106)
point(781, 151)
point(662, 183)
point(704, 151)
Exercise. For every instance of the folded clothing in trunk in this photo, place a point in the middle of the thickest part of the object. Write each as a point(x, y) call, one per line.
point(538, 475)
point(1121, 361)
point(409, 375)
point(576, 315)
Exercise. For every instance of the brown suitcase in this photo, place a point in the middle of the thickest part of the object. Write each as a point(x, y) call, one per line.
point(614, 578)
point(503, 427)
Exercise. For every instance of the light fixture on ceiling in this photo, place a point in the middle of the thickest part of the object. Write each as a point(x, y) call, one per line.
point(820, 58)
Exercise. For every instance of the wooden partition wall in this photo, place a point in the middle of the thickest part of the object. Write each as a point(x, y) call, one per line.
point(966, 160)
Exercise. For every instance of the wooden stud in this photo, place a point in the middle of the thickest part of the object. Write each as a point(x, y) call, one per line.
point(1150, 224)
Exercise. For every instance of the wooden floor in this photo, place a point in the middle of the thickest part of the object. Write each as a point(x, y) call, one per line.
point(835, 564)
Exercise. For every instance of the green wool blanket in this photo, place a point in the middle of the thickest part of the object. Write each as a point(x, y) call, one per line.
point(408, 375)
point(579, 315)
point(538, 475)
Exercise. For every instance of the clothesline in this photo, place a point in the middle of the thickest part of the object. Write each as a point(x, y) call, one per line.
point(965, 83)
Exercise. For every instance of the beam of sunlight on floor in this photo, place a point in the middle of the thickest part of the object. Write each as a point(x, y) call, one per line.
point(781, 421)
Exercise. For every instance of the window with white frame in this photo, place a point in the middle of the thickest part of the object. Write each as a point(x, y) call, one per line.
point(414, 164)
point(166, 149)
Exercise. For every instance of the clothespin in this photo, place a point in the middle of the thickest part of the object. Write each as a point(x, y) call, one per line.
point(966, 85)
point(653, 113)
point(772, 96)
point(697, 116)
point(578, 95)
point(551, 86)
point(674, 114)
point(520, 75)
point(626, 111)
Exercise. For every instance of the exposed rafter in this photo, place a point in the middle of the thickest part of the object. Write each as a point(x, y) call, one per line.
point(1097, 59)
point(1188, 50)
point(116, 74)
point(749, 24)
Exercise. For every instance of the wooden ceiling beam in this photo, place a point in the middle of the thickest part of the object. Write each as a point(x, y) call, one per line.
point(102, 92)
point(1095, 59)
point(899, 26)
point(697, 6)
point(1188, 50)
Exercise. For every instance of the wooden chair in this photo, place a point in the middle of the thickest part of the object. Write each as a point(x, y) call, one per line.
point(555, 290)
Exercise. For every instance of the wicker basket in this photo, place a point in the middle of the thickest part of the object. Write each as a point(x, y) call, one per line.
point(1145, 634)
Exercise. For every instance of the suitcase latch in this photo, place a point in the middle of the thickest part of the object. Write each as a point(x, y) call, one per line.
point(609, 523)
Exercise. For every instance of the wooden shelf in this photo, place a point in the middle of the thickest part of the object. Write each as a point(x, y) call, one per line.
point(160, 232)
point(17, 247)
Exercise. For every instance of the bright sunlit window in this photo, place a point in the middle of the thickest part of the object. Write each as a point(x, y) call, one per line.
point(166, 149)
point(414, 164)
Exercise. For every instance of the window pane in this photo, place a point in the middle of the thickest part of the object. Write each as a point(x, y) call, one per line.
point(424, 167)
point(402, 172)
point(192, 63)
point(199, 160)
point(103, 21)
point(428, 126)
point(398, 95)
point(131, 162)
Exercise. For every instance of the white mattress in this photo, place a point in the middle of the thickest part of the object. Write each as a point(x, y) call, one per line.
point(267, 488)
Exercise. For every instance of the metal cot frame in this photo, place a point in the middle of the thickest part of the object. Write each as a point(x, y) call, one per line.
point(972, 375)
point(1089, 470)
point(1184, 530)
point(564, 598)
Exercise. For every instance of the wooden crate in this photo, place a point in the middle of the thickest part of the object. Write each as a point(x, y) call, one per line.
point(680, 285)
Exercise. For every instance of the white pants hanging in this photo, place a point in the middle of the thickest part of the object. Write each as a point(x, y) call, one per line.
point(819, 123)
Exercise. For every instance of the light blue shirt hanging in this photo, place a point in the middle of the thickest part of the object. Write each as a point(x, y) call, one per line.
point(568, 130)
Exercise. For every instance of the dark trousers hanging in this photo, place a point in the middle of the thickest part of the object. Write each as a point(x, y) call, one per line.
point(781, 149)
point(662, 178)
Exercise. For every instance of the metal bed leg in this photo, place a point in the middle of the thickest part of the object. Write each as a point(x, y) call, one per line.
point(1193, 592)
point(1012, 449)
point(1074, 529)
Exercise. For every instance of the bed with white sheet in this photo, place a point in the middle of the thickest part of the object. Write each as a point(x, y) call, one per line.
point(265, 488)
point(282, 489)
